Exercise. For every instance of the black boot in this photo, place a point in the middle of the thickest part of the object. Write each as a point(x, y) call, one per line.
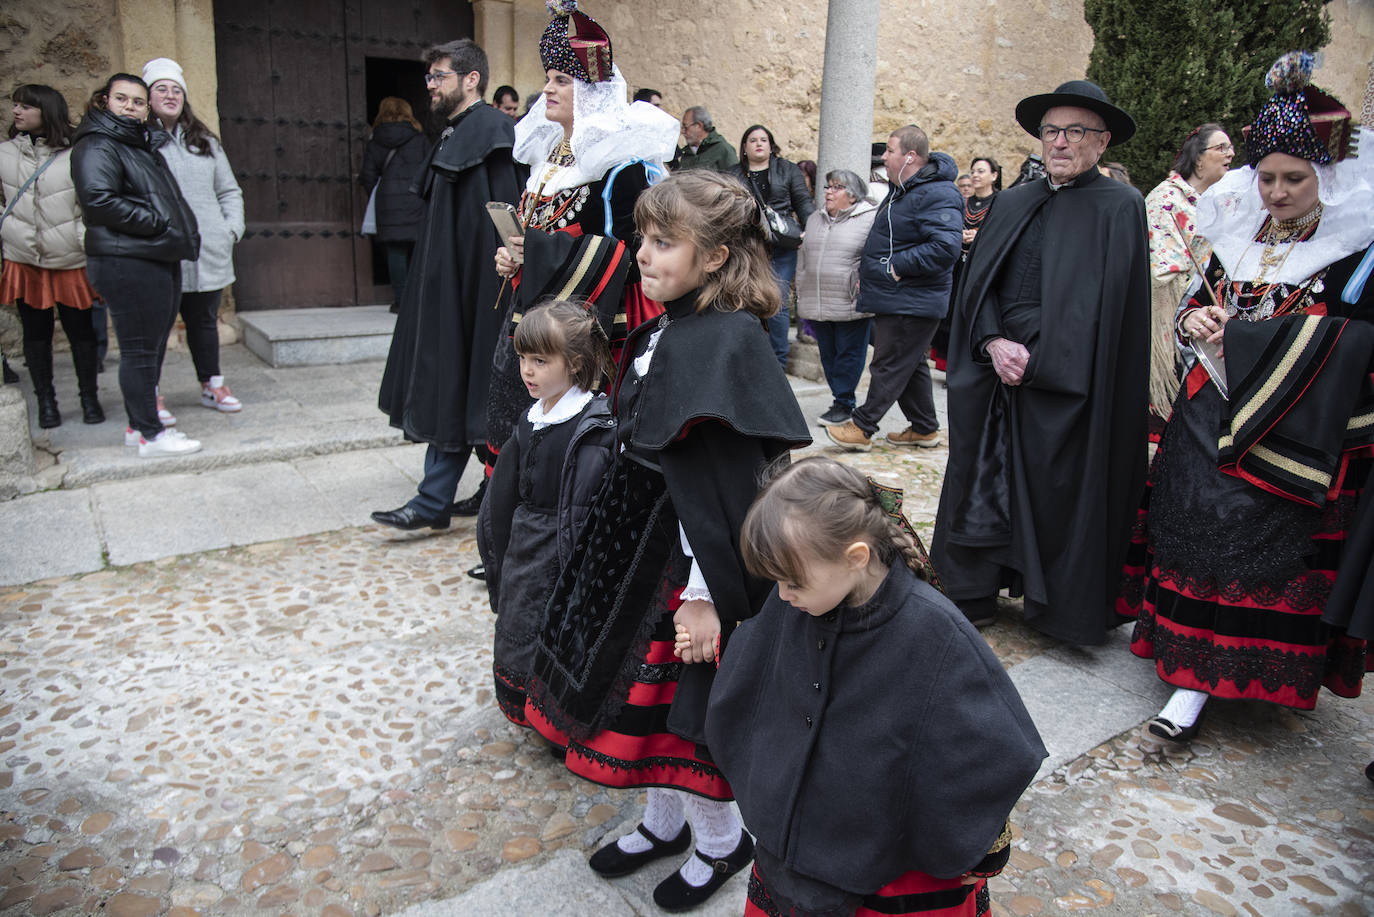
point(39, 358)
point(469, 506)
point(11, 376)
point(83, 355)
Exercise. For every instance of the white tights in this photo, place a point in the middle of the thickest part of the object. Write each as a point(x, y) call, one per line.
point(715, 825)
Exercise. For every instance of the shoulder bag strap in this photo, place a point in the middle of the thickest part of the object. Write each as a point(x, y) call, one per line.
point(25, 186)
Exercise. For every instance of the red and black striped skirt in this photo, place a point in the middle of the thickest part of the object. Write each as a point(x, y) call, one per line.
point(910, 893)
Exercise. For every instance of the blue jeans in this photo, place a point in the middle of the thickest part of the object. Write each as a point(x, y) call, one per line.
point(784, 266)
point(443, 470)
point(844, 347)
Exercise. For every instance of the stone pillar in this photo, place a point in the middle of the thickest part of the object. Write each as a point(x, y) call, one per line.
point(493, 25)
point(851, 62)
point(531, 18)
point(183, 30)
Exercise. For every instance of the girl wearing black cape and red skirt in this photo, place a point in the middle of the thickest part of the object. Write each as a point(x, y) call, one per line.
point(701, 406)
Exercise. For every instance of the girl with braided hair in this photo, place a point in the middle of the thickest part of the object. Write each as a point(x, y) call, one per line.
point(859, 674)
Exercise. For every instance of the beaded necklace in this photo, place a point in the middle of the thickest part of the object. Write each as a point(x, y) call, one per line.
point(556, 210)
point(1255, 301)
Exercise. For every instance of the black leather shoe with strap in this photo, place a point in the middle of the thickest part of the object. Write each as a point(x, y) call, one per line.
point(675, 893)
point(610, 861)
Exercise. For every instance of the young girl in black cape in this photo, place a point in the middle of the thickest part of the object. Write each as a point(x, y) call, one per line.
point(701, 406)
point(545, 481)
point(875, 744)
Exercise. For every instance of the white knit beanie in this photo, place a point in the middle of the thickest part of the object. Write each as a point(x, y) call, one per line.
point(164, 68)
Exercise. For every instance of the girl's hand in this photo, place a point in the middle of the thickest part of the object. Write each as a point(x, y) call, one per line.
point(699, 624)
point(969, 878)
point(683, 641)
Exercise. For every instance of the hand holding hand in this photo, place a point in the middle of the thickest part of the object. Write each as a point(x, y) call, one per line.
point(697, 626)
point(968, 236)
point(1009, 359)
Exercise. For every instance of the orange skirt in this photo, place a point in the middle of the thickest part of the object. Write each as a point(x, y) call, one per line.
point(41, 288)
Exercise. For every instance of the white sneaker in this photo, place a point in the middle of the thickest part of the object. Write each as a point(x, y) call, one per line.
point(132, 437)
point(168, 442)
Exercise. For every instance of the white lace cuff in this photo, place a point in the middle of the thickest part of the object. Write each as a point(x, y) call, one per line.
point(696, 594)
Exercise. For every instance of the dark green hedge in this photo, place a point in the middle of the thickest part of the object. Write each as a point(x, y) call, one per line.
point(1175, 64)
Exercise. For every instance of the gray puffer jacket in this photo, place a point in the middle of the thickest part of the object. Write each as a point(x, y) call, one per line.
point(207, 183)
point(828, 264)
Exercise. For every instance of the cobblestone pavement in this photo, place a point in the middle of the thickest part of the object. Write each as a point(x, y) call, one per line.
point(307, 727)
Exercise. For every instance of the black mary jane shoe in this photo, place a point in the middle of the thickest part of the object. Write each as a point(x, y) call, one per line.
point(1164, 729)
point(675, 893)
point(407, 519)
point(610, 861)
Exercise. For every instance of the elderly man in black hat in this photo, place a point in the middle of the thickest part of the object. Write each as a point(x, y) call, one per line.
point(1048, 368)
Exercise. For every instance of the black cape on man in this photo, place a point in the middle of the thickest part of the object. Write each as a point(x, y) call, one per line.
point(434, 387)
point(1044, 478)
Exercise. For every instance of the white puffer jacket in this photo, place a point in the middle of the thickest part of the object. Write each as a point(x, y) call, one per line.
point(207, 183)
point(828, 263)
point(44, 229)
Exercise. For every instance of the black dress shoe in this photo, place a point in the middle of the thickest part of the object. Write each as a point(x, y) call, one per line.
point(479, 572)
point(407, 519)
point(677, 894)
point(1369, 771)
point(610, 861)
point(472, 504)
point(1179, 735)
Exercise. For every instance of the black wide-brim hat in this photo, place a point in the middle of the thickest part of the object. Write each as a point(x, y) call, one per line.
point(1079, 94)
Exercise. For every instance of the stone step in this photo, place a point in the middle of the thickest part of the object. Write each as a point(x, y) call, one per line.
point(318, 337)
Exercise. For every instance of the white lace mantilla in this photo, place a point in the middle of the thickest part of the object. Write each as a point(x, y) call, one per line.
point(1229, 215)
point(607, 131)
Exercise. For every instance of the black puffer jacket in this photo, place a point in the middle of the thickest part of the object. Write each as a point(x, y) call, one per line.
point(130, 201)
point(399, 210)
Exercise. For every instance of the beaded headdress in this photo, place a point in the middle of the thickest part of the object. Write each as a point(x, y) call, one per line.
point(575, 44)
point(1299, 119)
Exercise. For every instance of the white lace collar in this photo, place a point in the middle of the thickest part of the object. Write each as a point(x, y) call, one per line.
point(567, 407)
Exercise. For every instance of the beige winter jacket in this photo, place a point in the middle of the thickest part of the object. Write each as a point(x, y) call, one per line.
point(828, 264)
point(44, 229)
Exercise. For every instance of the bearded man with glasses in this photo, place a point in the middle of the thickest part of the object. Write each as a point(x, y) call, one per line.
point(438, 370)
point(1047, 379)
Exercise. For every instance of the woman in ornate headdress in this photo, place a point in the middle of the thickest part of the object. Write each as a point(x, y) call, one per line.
point(591, 154)
point(1254, 504)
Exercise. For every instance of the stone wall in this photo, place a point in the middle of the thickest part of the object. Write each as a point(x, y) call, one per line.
point(955, 67)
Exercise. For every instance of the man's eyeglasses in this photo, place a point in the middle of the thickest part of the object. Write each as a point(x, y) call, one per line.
point(435, 77)
point(1074, 133)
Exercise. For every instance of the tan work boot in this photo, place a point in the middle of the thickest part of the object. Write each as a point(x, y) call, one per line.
point(848, 436)
point(910, 437)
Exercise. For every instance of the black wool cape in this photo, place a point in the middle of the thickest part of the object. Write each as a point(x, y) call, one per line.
point(434, 387)
point(870, 741)
point(1044, 478)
